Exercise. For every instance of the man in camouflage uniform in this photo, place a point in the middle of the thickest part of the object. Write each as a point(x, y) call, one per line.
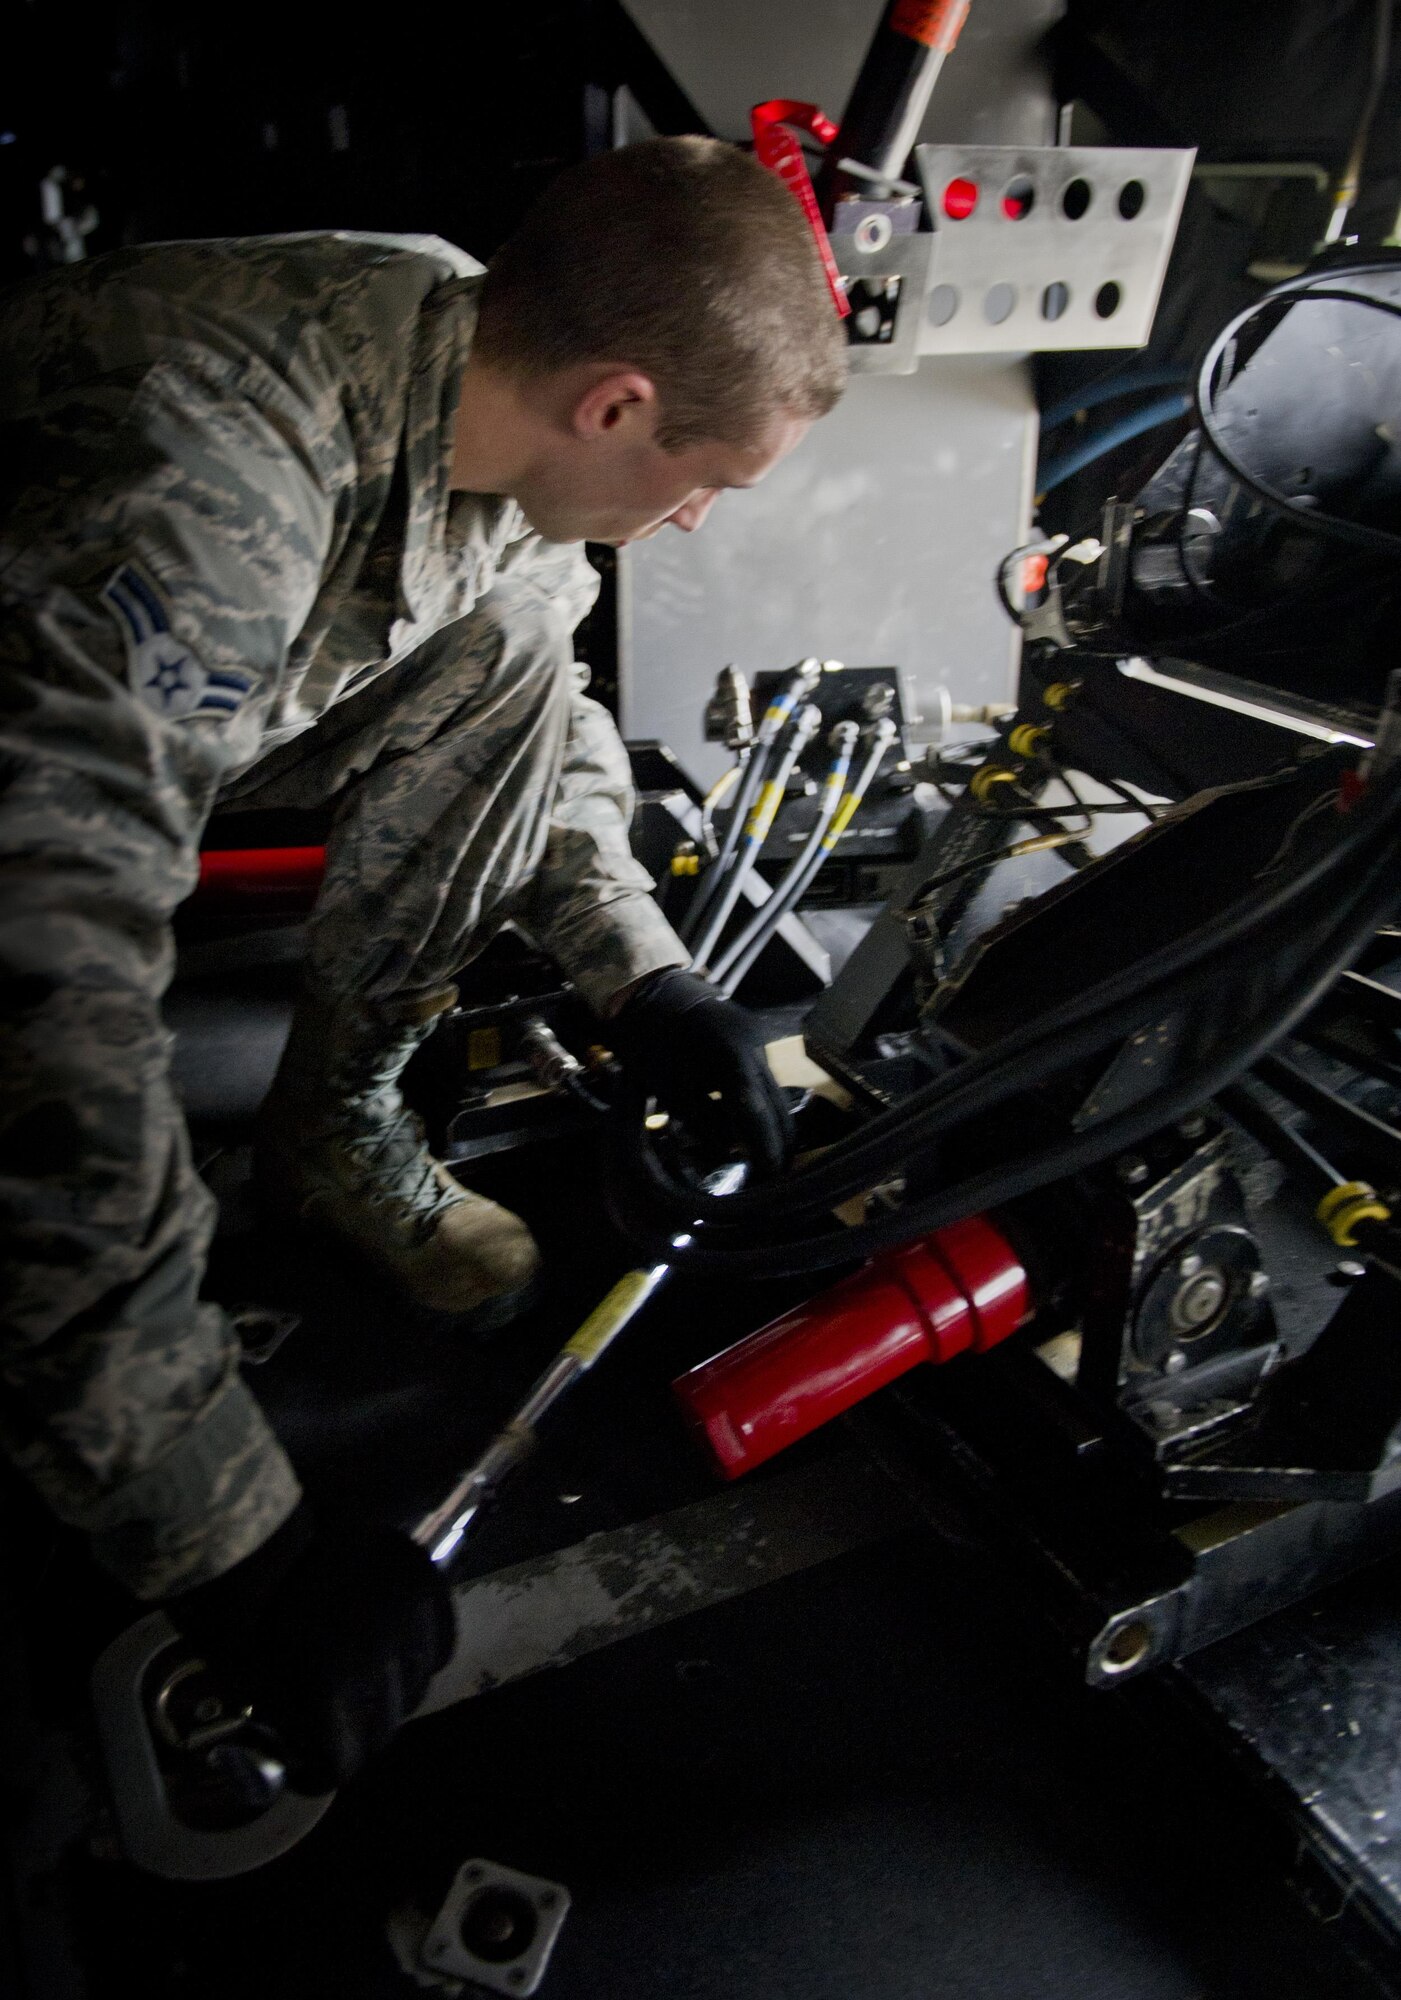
point(296, 519)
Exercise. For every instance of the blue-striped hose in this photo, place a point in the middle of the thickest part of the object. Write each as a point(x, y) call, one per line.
point(771, 726)
point(805, 726)
point(843, 740)
point(883, 734)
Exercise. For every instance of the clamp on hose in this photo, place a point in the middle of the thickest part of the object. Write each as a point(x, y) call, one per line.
point(1345, 1206)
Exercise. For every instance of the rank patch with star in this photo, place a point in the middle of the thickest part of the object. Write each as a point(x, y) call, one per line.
point(163, 672)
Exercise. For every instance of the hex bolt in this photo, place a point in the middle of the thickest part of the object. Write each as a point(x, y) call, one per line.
point(1174, 1362)
point(1189, 1265)
point(1132, 1171)
point(1193, 1127)
point(1259, 1284)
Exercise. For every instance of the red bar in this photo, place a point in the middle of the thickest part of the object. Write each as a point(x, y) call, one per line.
point(961, 1289)
point(234, 872)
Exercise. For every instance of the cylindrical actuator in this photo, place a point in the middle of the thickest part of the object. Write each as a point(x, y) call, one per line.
point(960, 1289)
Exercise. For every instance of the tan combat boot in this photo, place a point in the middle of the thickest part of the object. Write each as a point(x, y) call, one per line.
point(337, 1148)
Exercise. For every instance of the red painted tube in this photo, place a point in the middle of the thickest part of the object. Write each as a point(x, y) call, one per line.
point(961, 1289)
point(229, 874)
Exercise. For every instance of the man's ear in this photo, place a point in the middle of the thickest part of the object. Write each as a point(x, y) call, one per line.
point(622, 399)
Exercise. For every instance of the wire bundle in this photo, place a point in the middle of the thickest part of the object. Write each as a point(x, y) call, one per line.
point(1291, 944)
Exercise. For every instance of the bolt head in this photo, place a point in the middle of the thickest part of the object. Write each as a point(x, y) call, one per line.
point(1259, 1284)
point(1132, 1171)
point(1189, 1265)
point(1174, 1362)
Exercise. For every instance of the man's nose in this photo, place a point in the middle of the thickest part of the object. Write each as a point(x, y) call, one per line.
point(693, 511)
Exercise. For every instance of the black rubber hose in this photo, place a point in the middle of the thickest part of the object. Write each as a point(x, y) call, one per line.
point(1071, 1155)
point(1072, 1031)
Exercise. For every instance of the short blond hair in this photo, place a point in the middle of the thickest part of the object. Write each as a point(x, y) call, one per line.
point(683, 258)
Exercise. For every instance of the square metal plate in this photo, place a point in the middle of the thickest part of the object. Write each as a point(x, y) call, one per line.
point(1041, 248)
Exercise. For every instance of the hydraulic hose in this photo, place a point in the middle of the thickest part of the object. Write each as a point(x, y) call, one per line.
point(775, 718)
point(836, 815)
point(804, 727)
point(708, 1255)
point(1046, 1048)
point(761, 924)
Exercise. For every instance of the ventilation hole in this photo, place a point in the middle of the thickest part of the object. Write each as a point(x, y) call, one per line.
point(1131, 199)
point(1107, 300)
point(943, 304)
point(1054, 300)
point(998, 304)
point(960, 199)
point(1076, 199)
point(1018, 198)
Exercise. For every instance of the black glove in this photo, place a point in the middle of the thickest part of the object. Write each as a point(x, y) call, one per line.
point(684, 1040)
point(333, 1638)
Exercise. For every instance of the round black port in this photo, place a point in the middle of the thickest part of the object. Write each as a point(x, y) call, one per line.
point(1131, 199)
point(1076, 199)
point(1107, 300)
point(498, 1925)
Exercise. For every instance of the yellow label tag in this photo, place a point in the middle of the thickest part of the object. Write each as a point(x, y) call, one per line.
point(483, 1048)
point(765, 806)
point(842, 820)
point(610, 1316)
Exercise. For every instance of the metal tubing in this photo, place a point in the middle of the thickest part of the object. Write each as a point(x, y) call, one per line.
point(441, 1531)
point(756, 831)
point(794, 876)
point(771, 726)
point(771, 914)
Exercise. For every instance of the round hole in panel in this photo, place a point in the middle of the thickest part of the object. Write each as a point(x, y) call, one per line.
point(1107, 300)
point(943, 304)
point(1076, 200)
point(960, 198)
point(873, 232)
point(1018, 198)
point(999, 303)
point(1054, 300)
point(1132, 196)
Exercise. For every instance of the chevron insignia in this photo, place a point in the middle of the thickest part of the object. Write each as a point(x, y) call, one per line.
point(163, 672)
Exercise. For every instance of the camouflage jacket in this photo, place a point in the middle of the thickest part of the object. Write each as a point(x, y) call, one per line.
point(251, 439)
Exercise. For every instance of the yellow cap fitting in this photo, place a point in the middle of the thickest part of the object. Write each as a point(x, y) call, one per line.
point(1343, 1207)
point(1058, 693)
point(685, 864)
point(988, 775)
point(1026, 739)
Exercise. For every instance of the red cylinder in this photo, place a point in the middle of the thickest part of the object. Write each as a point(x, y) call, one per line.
point(233, 873)
point(960, 1289)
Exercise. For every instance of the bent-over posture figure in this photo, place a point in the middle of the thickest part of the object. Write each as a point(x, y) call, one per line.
point(295, 519)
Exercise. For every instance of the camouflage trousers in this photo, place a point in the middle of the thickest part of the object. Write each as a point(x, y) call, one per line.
point(460, 772)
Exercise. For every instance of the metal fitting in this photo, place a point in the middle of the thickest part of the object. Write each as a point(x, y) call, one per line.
point(1343, 1208)
point(1027, 738)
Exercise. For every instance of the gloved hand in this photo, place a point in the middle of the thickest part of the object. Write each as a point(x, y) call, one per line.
point(684, 1040)
point(332, 1638)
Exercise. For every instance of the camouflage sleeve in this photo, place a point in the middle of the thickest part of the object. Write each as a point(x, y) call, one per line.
point(590, 903)
point(158, 552)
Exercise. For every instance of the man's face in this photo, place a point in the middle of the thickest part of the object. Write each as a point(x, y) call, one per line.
point(620, 486)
